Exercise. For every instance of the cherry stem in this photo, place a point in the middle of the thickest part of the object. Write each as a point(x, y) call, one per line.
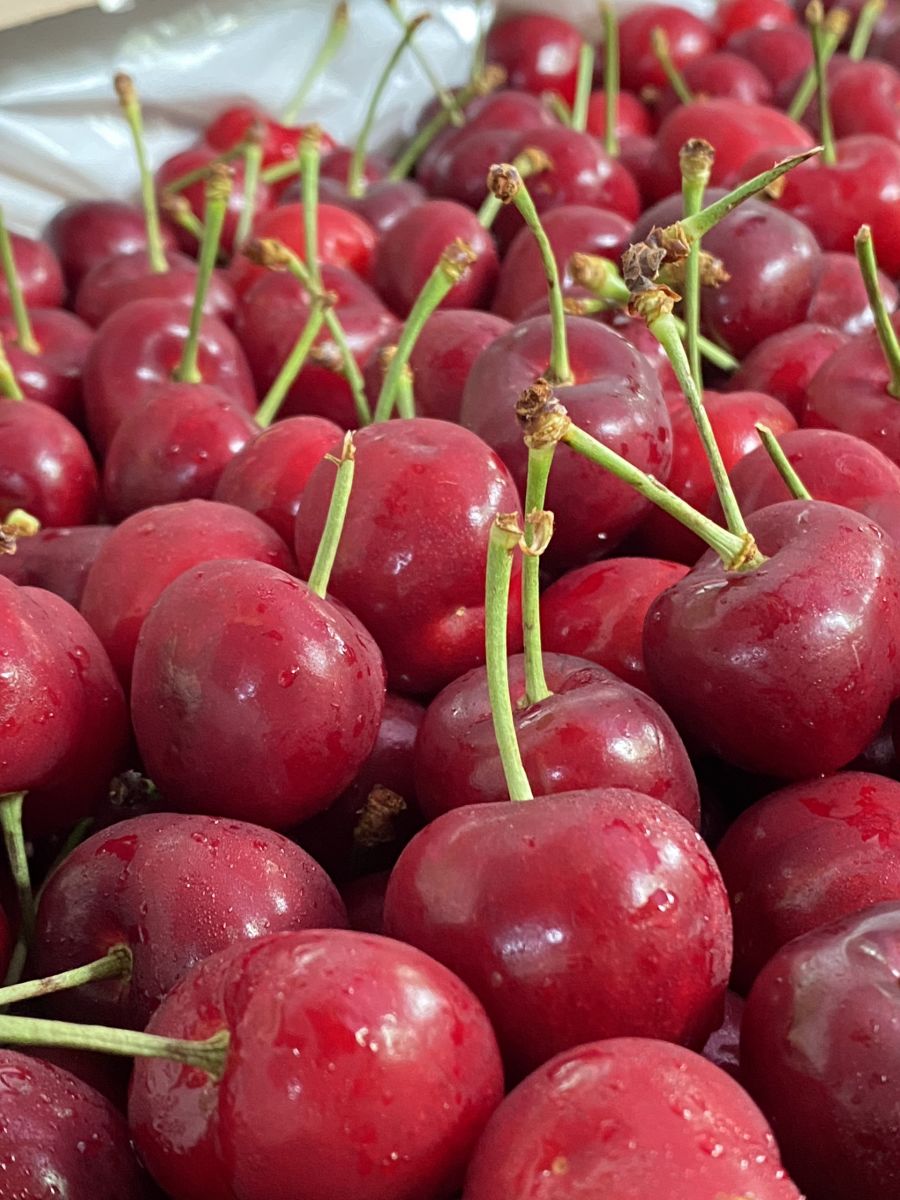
point(865, 24)
point(198, 173)
point(505, 537)
point(836, 22)
point(9, 385)
point(217, 191)
point(528, 163)
point(25, 338)
point(356, 183)
point(815, 17)
point(274, 398)
point(131, 109)
point(884, 327)
point(509, 187)
point(17, 524)
point(334, 39)
point(253, 155)
point(445, 96)
point(14, 841)
point(115, 964)
point(179, 210)
point(659, 43)
point(782, 464)
point(558, 107)
point(406, 400)
point(327, 549)
point(583, 86)
point(281, 170)
point(309, 158)
point(209, 1055)
point(610, 79)
point(540, 459)
point(448, 271)
point(696, 160)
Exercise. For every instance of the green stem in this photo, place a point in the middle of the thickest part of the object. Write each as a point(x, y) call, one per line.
point(290, 369)
point(406, 401)
point(115, 964)
point(696, 161)
point(505, 537)
point(611, 79)
point(9, 385)
point(660, 45)
point(815, 17)
point(334, 39)
point(253, 154)
point(783, 464)
point(890, 345)
point(200, 173)
point(282, 170)
point(131, 109)
point(868, 16)
point(334, 522)
point(14, 840)
point(179, 210)
point(25, 338)
point(558, 107)
point(218, 189)
point(528, 163)
point(539, 463)
point(583, 87)
point(209, 1055)
point(836, 21)
point(445, 96)
point(486, 82)
point(356, 185)
point(310, 154)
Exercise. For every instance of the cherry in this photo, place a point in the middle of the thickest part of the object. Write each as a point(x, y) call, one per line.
point(864, 97)
point(538, 51)
point(56, 559)
point(723, 1046)
point(343, 1020)
point(637, 153)
point(772, 861)
point(783, 364)
point(198, 160)
point(840, 299)
point(173, 889)
point(280, 143)
point(687, 35)
point(458, 172)
point(819, 1053)
point(409, 251)
point(780, 51)
point(450, 342)
point(40, 275)
point(335, 165)
point(734, 16)
point(381, 206)
point(541, 954)
point(417, 586)
point(632, 117)
point(144, 554)
point(574, 738)
point(756, 665)
point(291, 704)
point(615, 396)
point(364, 898)
point(51, 373)
point(86, 232)
point(630, 1118)
point(597, 612)
point(45, 465)
point(60, 1135)
point(268, 475)
point(721, 74)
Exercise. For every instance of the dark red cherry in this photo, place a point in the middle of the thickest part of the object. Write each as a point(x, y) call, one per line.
point(394, 1058)
point(268, 475)
point(864, 97)
point(784, 364)
point(86, 232)
point(198, 159)
point(442, 358)
point(597, 612)
point(687, 35)
point(734, 16)
point(418, 586)
point(593, 731)
point(722, 74)
point(543, 955)
point(757, 666)
point(383, 203)
point(56, 559)
point(459, 171)
point(335, 164)
point(53, 374)
point(637, 153)
point(364, 900)
point(724, 1045)
point(632, 116)
point(173, 889)
point(820, 1053)
point(45, 465)
point(806, 855)
point(39, 272)
point(117, 281)
point(629, 1118)
point(539, 52)
point(780, 51)
point(144, 554)
point(840, 298)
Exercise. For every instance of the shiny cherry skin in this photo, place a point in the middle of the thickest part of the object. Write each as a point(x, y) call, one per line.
point(383, 1020)
point(443, 355)
point(139, 348)
point(53, 374)
point(757, 666)
point(637, 153)
point(382, 204)
point(593, 731)
point(734, 16)
point(335, 165)
point(864, 98)
point(40, 275)
point(58, 1133)
point(45, 465)
point(409, 252)
point(722, 74)
point(541, 954)
point(418, 586)
point(783, 365)
point(840, 298)
point(597, 612)
point(280, 142)
point(459, 172)
point(292, 687)
point(623, 1119)
point(173, 888)
point(772, 860)
point(724, 1045)
point(632, 116)
point(117, 281)
point(570, 228)
point(734, 417)
point(197, 158)
point(144, 554)
point(779, 51)
point(86, 232)
point(819, 1052)
point(268, 475)
point(615, 396)
point(56, 559)
point(538, 51)
point(688, 38)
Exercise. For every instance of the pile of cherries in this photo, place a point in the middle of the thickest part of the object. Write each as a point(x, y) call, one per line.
point(450, 637)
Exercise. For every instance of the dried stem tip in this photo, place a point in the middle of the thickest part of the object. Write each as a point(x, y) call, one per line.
point(589, 270)
point(837, 22)
point(489, 80)
point(218, 182)
point(653, 303)
point(695, 159)
point(125, 89)
point(504, 181)
point(539, 525)
point(375, 823)
point(311, 136)
point(456, 259)
point(267, 252)
point(543, 419)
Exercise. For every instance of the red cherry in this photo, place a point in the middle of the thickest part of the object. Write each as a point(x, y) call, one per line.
point(630, 1118)
point(538, 51)
point(381, 206)
point(382, 1019)
point(53, 374)
point(144, 554)
point(280, 142)
point(637, 153)
point(840, 298)
point(780, 51)
point(458, 172)
point(723, 75)
point(819, 1052)
point(335, 165)
point(445, 350)
point(632, 116)
point(592, 731)
point(687, 35)
point(86, 232)
point(784, 364)
point(197, 159)
point(734, 16)
point(864, 98)
point(45, 465)
point(56, 559)
point(39, 272)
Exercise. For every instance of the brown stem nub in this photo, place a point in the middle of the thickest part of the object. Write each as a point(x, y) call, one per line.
point(376, 820)
point(695, 159)
point(544, 421)
point(504, 182)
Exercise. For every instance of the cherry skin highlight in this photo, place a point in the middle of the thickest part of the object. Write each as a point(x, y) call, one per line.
point(53, 374)
point(46, 467)
point(538, 51)
point(86, 232)
point(39, 273)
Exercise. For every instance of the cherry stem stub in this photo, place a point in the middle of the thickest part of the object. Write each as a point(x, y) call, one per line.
point(25, 338)
point(783, 464)
point(130, 104)
point(218, 189)
point(330, 540)
point(610, 79)
point(884, 326)
point(115, 964)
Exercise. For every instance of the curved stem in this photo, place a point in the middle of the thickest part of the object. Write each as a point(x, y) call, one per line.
point(583, 87)
point(660, 45)
point(528, 163)
point(9, 385)
point(292, 365)
point(218, 189)
point(310, 154)
point(131, 109)
point(327, 549)
point(25, 338)
point(334, 39)
point(281, 170)
point(865, 24)
point(487, 81)
point(179, 210)
point(696, 160)
point(198, 173)
point(836, 22)
point(884, 326)
point(610, 79)
point(115, 964)
point(539, 462)
point(783, 464)
point(815, 16)
point(445, 97)
point(253, 154)
point(14, 841)
point(505, 537)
